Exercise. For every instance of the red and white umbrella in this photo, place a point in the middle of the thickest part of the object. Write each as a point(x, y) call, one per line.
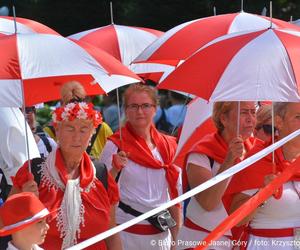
point(197, 123)
point(183, 40)
point(23, 25)
point(254, 65)
point(125, 43)
point(41, 63)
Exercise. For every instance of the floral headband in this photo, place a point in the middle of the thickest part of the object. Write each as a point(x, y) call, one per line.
point(77, 110)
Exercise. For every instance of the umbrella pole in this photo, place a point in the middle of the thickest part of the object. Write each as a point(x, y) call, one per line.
point(26, 127)
point(215, 10)
point(23, 105)
point(271, 15)
point(119, 116)
point(15, 22)
point(273, 138)
point(242, 5)
point(111, 13)
point(238, 119)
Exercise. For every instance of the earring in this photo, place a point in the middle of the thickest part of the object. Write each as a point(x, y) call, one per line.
point(90, 143)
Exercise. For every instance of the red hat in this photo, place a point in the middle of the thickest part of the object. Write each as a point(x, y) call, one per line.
point(19, 211)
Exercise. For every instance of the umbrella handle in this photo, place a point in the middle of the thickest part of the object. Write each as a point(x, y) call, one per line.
point(119, 116)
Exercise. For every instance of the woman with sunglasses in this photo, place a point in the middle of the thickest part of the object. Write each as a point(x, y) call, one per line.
point(263, 129)
point(275, 224)
point(147, 177)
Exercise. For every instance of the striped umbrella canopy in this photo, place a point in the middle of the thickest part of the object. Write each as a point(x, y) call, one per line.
point(41, 63)
point(182, 41)
point(124, 43)
point(252, 65)
point(23, 25)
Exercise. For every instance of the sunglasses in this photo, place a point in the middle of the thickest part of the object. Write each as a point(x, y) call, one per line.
point(267, 128)
point(30, 110)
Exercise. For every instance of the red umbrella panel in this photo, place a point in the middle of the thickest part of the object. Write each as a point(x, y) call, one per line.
point(197, 123)
point(254, 65)
point(42, 63)
point(183, 40)
point(124, 43)
point(7, 25)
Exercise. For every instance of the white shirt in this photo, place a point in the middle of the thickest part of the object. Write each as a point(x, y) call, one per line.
point(140, 187)
point(13, 142)
point(206, 219)
point(12, 247)
point(281, 213)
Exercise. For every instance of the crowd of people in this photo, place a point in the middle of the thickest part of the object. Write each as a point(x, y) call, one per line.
point(93, 175)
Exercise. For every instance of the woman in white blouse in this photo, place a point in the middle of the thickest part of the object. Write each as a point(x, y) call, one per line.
point(147, 177)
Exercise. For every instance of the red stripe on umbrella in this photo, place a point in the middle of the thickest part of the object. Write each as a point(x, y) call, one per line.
point(253, 65)
point(183, 40)
point(124, 43)
point(24, 26)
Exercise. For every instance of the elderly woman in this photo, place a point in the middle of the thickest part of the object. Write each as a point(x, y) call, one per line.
point(212, 155)
point(148, 178)
point(278, 220)
point(83, 205)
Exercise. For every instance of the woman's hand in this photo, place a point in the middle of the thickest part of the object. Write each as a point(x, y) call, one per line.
point(236, 150)
point(119, 160)
point(268, 178)
point(31, 186)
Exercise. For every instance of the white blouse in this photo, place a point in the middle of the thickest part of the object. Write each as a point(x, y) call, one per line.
point(141, 187)
point(206, 219)
point(281, 213)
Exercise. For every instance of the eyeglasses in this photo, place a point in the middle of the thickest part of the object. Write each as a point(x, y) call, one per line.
point(267, 128)
point(143, 106)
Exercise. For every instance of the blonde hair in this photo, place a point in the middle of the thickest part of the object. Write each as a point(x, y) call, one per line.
point(263, 115)
point(280, 108)
point(219, 109)
point(72, 91)
point(138, 88)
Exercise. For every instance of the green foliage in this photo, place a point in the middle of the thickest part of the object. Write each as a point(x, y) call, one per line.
point(43, 116)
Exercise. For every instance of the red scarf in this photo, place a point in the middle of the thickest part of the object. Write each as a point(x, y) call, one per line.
point(140, 153)
point(253, 176)
point(290, 171)
point(214, 146)
point(85, 169)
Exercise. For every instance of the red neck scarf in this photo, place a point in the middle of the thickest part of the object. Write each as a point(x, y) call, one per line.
point(86, 170)
point(214, 146)
point(140, 153)
point(253, 176)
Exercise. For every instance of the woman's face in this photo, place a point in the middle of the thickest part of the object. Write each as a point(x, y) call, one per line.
point(247, 120)
point(74, 136)
point(290, 122)
point(36, 233)
point(140, 109)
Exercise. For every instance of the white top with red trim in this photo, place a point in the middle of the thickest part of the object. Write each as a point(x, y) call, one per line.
point(282, 213)
point(140, 187)
point(203, 218)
